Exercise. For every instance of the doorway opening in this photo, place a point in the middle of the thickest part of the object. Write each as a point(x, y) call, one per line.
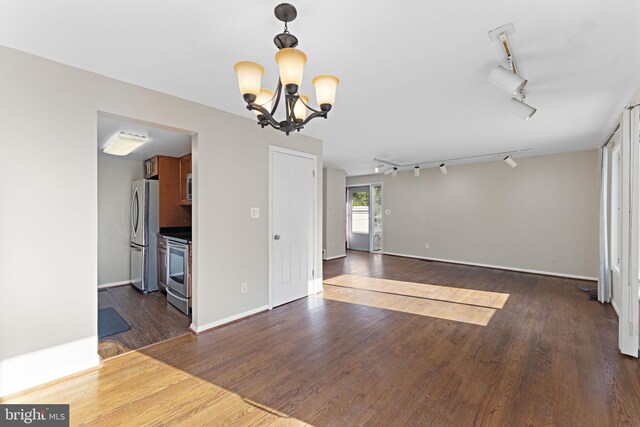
point(364, 218)
point(145, 195)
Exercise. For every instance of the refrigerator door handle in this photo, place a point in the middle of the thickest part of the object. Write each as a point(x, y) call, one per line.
point(136, 248)
point(134, 212)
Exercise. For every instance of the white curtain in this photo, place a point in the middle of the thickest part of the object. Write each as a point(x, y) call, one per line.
point(604, 277)
point(629, 319)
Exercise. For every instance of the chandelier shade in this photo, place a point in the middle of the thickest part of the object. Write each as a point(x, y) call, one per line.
point(265, 99)
point(264, 102)
point(291, 64)
point(300, 109)
point(249, 77)
point(326, 87)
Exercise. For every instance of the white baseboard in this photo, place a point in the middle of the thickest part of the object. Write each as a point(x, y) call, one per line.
point(114, 284)
point(615, 307)
point(335, 257)
point(500, 267)
point(29, 370)
point(198, 329)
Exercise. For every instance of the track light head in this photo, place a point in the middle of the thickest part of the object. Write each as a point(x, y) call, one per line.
point(376, 169)
point(521, 109)
point(507, 80)
point(388, 171)
point(443, 169)
point(394, 172)
point(509, 160)
point(416, 171)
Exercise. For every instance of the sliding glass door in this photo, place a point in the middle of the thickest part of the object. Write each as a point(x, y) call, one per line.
point(364, 218)
point(358, 218)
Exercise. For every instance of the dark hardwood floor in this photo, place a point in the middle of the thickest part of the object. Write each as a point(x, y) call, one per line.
point(151, 317)
point(547, 356)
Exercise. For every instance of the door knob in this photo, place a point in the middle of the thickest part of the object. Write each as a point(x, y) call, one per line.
point(276, 237)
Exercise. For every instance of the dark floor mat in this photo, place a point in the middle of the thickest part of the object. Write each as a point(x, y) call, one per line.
point(110, 323)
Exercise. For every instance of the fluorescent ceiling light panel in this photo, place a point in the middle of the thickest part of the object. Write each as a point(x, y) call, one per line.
point(124, 143)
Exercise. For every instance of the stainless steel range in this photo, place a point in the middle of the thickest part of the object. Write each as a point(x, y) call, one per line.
point(178, 278)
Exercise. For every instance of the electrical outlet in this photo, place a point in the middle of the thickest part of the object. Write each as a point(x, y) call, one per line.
point(426, 245)
point(244, 288)
point(387, 211)
point(255, 213)
point(556, 258)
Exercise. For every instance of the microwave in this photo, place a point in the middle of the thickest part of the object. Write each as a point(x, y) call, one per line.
point(189, 187)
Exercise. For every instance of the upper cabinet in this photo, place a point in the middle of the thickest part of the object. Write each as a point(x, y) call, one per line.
point(185, 180)
point(151, 168)
point(168, 171)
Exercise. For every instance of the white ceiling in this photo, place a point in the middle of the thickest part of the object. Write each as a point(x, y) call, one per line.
point(160, 141)
point(413, 74)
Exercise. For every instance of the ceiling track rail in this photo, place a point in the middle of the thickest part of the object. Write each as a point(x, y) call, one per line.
point(429, 162)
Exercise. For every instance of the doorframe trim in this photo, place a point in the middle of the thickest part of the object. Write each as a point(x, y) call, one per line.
point(370, 185)
point(317, 277)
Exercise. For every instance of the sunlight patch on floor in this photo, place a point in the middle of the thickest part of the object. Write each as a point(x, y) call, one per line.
point(422, 290)
point(106, 396)
point(443, 302)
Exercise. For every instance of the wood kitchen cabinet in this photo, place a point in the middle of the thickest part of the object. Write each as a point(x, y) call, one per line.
point(167, 171)
point(151, 168)
point(185, 174)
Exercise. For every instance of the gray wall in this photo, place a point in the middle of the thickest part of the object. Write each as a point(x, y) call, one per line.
point(48, 116)
point(542, 215)
point(334, 199)
point(115, 176)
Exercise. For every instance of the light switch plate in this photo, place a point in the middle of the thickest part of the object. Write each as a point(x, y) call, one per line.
point(387, 211)
point(255, 213)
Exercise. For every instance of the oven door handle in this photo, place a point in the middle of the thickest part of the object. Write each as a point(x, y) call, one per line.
point(176, 296)
point(179, 246)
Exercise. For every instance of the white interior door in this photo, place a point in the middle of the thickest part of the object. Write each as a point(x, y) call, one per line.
point(292, 227)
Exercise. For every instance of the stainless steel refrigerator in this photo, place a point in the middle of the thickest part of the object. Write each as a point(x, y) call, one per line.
point(143, 248)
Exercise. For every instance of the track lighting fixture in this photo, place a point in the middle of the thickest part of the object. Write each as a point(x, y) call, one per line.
point(509, 160)
point(521, 109)
point(376, 169)
point(508, 78)
point(393, 168)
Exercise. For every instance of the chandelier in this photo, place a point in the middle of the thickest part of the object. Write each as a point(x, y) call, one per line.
point(264, 102)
